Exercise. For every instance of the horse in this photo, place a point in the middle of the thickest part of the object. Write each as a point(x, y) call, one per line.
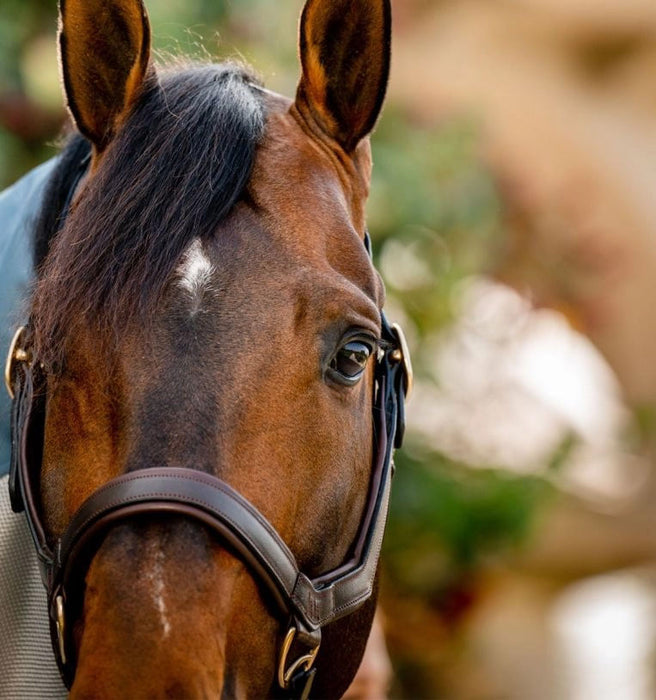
point(206, 392)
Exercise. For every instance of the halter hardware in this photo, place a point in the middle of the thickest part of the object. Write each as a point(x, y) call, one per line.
point(402, 354)
point(60, 624)
point(15, 354)
point(304, 663)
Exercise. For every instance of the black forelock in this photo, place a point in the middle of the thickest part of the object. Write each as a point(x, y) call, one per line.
point(176, 168)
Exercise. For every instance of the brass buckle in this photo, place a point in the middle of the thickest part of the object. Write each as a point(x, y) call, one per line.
point(285, 675)
point(402, 354)
point(15, 354)
point(60, 624)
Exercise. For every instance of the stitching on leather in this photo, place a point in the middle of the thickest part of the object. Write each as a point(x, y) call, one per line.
point(335, 612)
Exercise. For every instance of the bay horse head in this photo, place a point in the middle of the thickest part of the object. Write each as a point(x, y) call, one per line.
point(207, 349)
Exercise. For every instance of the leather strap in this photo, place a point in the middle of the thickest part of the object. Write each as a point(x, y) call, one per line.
point(28, 416)
point(211, 501)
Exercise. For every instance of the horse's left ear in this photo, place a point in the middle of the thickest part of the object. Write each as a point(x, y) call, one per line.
point(104, 51)
point(345, 57)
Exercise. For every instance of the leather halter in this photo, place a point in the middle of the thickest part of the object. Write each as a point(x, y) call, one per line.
point(303, 603)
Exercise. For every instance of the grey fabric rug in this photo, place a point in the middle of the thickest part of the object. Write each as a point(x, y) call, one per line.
point(27, 666)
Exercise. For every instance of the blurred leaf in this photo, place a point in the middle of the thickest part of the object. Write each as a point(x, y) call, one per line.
point(446, 518)
point(432, 194)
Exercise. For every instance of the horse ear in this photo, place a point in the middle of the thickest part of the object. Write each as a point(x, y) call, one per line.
point(104, 50)
point(345, 57)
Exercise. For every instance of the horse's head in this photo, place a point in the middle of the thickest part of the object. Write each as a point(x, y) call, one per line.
point(209, 304)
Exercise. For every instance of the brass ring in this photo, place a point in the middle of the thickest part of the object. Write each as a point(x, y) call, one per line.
point(402, 354)
point(284, 676)
point(61, 627)
point(15, 353)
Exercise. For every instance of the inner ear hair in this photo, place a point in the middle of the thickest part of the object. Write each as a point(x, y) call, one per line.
point(104, 49)
point(345, 48)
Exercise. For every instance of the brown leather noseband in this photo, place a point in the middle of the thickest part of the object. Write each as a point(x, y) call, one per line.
point(305, 604)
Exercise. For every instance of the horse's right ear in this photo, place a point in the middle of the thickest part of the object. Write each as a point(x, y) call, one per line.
point(345, 57)
point(104, 50)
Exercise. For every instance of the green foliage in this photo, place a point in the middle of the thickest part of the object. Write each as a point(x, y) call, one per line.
point(434, 209)
point(563, 452)
point(21, 22)
point(446, 517)
point(434, 206)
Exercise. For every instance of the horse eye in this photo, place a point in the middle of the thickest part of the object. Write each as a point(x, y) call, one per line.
point(349, 363)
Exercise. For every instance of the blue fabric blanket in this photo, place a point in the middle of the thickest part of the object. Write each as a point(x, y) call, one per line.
point(19, 206)
point(28, 670)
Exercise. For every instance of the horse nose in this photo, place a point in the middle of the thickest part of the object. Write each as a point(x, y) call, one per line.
point(157, 602)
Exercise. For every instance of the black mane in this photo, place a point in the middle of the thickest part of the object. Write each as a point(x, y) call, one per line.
point(72, 159)
point(177, 167)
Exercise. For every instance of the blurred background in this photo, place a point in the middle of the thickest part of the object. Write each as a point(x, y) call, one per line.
point(513, 212)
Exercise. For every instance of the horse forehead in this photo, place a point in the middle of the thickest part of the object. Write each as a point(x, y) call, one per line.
point(301, 174)
point(311, 198)
point(195, 269)
point(301, 224)
point(293, 277)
